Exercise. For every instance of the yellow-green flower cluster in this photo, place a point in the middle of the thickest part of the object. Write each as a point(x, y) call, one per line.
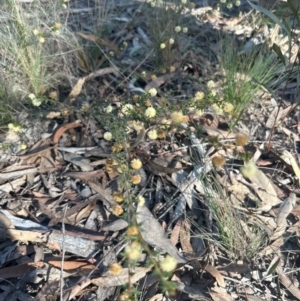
point(35, 101)
point(133, 250)
point(150, 112)
point(14, 127)
point(168, 264)
point(126, 108)
point(229, 4)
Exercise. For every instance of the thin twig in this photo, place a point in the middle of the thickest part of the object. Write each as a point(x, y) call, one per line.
point(63, 253)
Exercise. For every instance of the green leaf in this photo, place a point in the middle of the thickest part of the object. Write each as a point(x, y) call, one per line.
point(273, 265)
point(294, 10)
point(277, 50)
point(270, 15)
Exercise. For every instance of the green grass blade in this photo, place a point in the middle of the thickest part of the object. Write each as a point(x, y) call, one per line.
point(277, 50)
point(294, 10)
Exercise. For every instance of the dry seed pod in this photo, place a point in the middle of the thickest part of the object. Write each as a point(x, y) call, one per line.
point(241, 139)
point(115, 268)
point(218, 161)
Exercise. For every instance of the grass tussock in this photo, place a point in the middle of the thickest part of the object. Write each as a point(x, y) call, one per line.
point(234, 234)
point(36, 46)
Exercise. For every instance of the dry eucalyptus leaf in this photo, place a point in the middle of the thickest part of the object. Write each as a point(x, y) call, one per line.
point(287, 282)
point(267, 194)
point(76, 89)
point(220, 296)
point(289, 158)
point(154, 235)
point(285, 209)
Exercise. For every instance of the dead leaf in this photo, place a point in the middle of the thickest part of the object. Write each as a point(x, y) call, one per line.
point(221, 296)
point(100, 41)
point(268, 194)
point(289, 159)
point(285, 209)
point(156, 237)
point(86, 175)
point(72, 265)
point(286, 281)
point(214, 272)
point(78, 87)
point(20, 270)
point(175, 233)
point(159, 81)
point(60, 130)
point(185, 237)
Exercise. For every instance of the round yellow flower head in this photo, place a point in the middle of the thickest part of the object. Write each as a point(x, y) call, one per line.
point(118, 196)
point(23, 146)
point(132, 231)
point(177, 28)
point(171, 41)
point(136, 163)
point(177, 117)
point(109, 109)
point(217, 109)
point(31, 96)
point(168, 264)
point(227, 107)
point(136, 179)
point(152, 92)
point(117, 210)
point(133, 250)
point(162, 46)
point(249, 170)
point(172, 69)
point(36, 102)
point(199, 95)
point(42, 40)
point(184, 29)
point(150, 112)
point(127, 108)
point(141, 200)
point(237, 3)
point(152, 134)
point(115, 268)
point(241, 139)
point(53, 95)
point(229, 5)
point(210, 84)
point(35, 32)
point(183, 1)
point(153, 77)
point(107, 136)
